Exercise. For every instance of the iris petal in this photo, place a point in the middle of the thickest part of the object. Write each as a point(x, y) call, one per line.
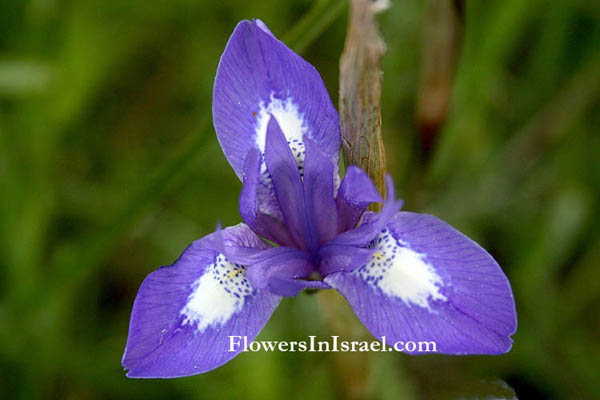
point(318, 184)
point(184, 314)
point(288, 188)
point(266, 225)
point(259, 76)
point(355, 194)
point(373, 223)
point(428, 282)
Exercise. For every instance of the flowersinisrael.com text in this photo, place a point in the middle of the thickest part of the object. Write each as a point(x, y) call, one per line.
point(334, 345)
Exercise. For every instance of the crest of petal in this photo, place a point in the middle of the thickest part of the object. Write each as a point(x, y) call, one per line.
point(259, 76)
point(372, 223)
point(355, 194)
point(428, 282)
point(184, 314)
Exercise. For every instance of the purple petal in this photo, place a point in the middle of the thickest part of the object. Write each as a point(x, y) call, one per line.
point(373, 223)
point(335, 258)
point(288, 188)
point(279, 262)
point(184, 314)
point(319, 173)
point(258, 76)
point(429, 282)
point(355, 194)
point(266, 225)
point(282, 270)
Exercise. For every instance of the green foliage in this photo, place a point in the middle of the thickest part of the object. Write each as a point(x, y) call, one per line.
point(109, 167)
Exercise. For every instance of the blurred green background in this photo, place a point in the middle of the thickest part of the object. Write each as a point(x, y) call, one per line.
point(109, 168)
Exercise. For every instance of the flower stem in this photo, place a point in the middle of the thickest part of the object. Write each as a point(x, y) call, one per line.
point(360, 91)
point(362, 145)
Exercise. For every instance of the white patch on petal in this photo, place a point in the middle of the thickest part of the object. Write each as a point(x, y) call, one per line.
point(291, 122)
point(401, 272)
point(217, 295)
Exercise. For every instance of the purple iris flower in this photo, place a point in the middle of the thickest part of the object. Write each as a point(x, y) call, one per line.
point(407, 276)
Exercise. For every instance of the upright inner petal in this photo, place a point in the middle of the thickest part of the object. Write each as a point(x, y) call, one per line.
point(288, 186)
point(398, 271)
point(265, 224)
point(217, 295)
point(319, 193)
